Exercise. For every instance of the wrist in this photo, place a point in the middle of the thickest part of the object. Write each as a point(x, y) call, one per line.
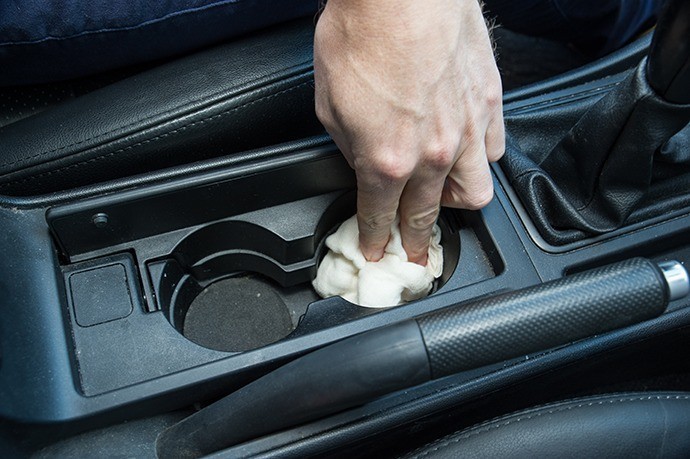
point(402, 21)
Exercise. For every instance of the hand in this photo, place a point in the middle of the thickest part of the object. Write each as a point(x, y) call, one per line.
point(410, 93)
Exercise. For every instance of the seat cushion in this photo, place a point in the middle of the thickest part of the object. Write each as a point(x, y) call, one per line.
point(611, 426)
point(247, 94)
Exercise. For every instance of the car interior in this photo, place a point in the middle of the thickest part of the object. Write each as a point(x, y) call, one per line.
point(162, 226)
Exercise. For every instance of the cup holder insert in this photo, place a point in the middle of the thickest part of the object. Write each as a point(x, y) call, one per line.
point(248, 307)
point(245, 282)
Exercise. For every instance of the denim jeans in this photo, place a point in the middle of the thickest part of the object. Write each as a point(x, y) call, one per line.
point(596, 27)
point(49, 40)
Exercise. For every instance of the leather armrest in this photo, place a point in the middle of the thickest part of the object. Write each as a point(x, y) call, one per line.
point(253, 92)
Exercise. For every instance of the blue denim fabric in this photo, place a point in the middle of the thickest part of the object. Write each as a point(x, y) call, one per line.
point(49, 40)
point(597, 27)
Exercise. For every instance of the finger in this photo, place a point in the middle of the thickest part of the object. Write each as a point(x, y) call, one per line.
point(469, 184)
point(495, 139)
point(419, 208)
point(377, 205)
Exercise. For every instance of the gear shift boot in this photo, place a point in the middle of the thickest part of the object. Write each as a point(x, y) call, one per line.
point(607, 166)
point(626, 157)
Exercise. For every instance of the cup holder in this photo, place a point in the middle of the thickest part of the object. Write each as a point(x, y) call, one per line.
point(245, 282)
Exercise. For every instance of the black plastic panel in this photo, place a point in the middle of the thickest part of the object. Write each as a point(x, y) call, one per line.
point(127, 348)
point(282, 243)
point(159, 209)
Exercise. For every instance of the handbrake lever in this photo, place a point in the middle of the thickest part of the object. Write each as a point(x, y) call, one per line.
point(461, 337)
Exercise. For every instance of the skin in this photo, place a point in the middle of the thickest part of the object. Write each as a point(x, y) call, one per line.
point(410, 93)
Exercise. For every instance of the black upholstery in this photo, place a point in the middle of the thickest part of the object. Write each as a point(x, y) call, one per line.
point(593, 166)
point(615, 165)
point(206, 105)
point(22, 102)
point(251, 93)
point(611, 426)
point(19, 102)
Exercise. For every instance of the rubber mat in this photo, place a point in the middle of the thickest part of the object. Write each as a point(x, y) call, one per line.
point(237, 314)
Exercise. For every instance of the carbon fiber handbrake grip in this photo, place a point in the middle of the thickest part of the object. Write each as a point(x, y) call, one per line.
point(543, 316)
point(461, 337)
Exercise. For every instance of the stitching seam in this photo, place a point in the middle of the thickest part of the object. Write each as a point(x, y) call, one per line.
point(153, 139)
point(550, 103)
point(122, 128)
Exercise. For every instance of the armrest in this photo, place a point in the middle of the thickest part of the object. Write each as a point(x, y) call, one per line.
point(253, 92)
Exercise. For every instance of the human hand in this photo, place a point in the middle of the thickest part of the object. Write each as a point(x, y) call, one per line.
point(410, 93)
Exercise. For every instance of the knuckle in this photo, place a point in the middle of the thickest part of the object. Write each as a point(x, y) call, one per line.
point(441, 156)
point(377, 222)
point(392, 167)
point(479, 197)
point(320, 108)
point(324, 113)
point(423, 220)
point(493, 91)
point(493, 98)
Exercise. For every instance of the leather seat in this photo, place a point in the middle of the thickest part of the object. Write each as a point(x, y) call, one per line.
point(250, 93)
point(611, 426)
